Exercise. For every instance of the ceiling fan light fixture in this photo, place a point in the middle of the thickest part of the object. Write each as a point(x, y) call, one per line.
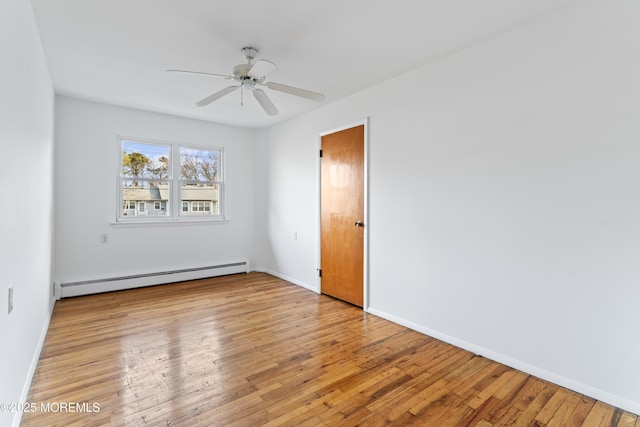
point(248, 84)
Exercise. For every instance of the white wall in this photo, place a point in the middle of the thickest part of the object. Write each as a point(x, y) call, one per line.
point(26, 191)
point(87, 159)
point(504, 202)
point(287, 204)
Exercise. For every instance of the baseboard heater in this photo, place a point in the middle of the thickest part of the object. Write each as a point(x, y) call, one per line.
point(86, 287)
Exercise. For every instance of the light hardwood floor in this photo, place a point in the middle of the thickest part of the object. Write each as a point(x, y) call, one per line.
point(251, 349)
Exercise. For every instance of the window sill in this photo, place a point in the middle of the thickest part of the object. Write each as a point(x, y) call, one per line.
point(170, 222)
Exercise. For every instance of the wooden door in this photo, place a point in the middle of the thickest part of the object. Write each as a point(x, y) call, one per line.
point(342, 215)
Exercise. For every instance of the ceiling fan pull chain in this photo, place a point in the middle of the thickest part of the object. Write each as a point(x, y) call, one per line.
point(241, 95)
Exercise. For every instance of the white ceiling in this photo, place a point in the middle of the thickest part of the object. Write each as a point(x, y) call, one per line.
point(116, 51)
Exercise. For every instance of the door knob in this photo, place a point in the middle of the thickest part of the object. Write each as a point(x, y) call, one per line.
point(359, 224)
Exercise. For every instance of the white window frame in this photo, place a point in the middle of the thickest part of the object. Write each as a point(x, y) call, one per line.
point(174, 204)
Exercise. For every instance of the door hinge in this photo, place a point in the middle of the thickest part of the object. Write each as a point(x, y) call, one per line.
point(320, 153)
point(319, 272)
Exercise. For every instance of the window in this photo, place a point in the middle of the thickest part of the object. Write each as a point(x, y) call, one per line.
point(129, 207)
point(180, 182)
point(200, 206)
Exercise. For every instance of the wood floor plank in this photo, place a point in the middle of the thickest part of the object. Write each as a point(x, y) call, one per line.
point(252, 349)
point(627, 419)
point(550, 408)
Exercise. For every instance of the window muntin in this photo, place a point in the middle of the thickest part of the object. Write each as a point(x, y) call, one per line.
point(166, 181)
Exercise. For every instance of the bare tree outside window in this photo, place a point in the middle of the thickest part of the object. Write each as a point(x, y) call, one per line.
point(159, 168)
point(199, 165)
point(209, 166)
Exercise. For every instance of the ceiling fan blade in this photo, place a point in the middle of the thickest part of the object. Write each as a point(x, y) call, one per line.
point(296, 91)
point(219, 94)
point(265, 102)
point(261, 68)
point(198, 73)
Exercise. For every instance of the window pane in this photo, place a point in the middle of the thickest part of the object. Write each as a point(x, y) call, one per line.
point(140, 160)
point(204, 199)
point(139, 194)
point(199, 165)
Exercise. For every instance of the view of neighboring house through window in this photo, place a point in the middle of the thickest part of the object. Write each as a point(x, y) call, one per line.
point(166, 181)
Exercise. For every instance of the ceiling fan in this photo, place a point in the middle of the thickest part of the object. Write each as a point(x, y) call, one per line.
point(249, 76)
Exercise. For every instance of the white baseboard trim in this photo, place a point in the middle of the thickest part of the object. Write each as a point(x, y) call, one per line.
point(72, 289)
point(288, 279)
point(560, 380)
point(17, 419)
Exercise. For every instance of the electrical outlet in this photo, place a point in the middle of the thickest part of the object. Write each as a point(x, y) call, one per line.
point(10, 299)
point(104, 238)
